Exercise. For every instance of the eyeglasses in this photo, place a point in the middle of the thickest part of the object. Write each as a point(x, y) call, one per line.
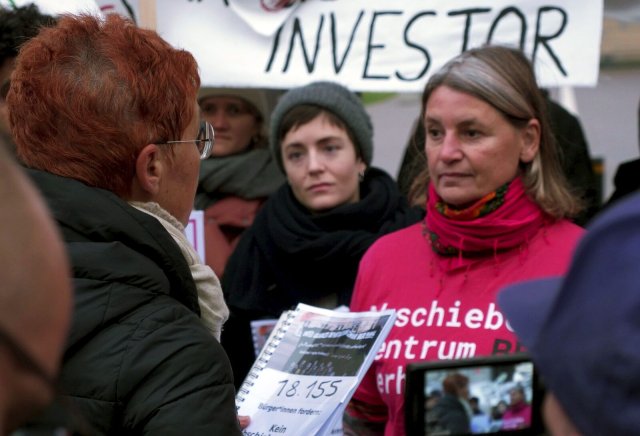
point(204, 142)
point(25, 360)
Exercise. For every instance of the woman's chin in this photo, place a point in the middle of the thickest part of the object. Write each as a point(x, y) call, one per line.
point(458, 200)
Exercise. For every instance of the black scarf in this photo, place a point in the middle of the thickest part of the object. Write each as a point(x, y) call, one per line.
point(290, 256)
point(250, 175)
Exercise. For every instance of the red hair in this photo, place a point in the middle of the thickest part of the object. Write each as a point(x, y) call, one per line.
point(454, 382)
point(88, 94)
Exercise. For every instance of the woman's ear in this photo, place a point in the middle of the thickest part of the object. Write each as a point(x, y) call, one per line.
point(149, 168)
point(530, 141)
point(362, 167)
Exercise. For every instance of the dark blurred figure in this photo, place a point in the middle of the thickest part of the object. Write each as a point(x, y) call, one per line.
point(17, 26)
point(432, 399)
point(474, 402)
point(452, 413)
point(413, 162)
point(574, 158)
point(627, 179)
point(498, 410)
point(35, 299)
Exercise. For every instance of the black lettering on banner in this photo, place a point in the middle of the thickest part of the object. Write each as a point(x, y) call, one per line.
point(467, 24)
point(297, 30)
point(501, 15)
point(337, 64)
point(370, 46)
point(420, 48)
point(544, 39)
point(274, 49)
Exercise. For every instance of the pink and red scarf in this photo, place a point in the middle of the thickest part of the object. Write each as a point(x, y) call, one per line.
point(499, 221)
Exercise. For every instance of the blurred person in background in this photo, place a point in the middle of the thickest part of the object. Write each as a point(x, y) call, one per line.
point(452, 413)
point(17, 26)
point(105, 117)
point(626, 180)
point(241, 172)
point(498, 410)
point(480, 420)
point(575, 159)
point(518, 413)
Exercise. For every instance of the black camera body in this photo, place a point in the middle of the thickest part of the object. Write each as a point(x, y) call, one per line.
point(508, 381)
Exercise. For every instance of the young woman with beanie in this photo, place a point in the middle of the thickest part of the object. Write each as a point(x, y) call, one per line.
point(306, 242)
point(240, 174)
point(497, 207)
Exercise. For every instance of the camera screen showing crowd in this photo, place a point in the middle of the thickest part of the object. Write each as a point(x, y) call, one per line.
point(494, 395)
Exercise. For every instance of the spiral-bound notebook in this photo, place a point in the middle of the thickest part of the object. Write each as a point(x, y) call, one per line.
point(260, 331)
point(309, 369)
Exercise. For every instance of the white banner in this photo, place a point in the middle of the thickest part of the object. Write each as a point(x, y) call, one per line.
point(379, 45)
point(56, 7)
point(369, 45)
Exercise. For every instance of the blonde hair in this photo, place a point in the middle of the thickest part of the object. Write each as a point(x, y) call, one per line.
point(504, 78)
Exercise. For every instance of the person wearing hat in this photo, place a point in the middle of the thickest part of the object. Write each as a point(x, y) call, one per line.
point(581, 329)
point(306, 242)
point(240, 174)
point(497, 207)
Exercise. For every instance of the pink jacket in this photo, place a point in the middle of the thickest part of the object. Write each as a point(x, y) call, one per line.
point(445, 309)
point(224, 223)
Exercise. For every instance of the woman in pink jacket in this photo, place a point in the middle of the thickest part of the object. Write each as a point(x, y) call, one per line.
point(496, 203)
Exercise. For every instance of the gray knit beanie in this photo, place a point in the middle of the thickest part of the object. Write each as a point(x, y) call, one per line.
point(336, 99)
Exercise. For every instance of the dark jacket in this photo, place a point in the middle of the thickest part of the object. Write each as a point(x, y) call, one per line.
point(290, 256)
point(575, 159)
point(626, 180)
point(449, 416)
point(138, 359)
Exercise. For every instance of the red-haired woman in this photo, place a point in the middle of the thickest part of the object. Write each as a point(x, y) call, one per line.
point(105, 116)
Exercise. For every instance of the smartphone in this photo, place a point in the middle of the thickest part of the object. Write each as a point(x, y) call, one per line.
point(497, 395)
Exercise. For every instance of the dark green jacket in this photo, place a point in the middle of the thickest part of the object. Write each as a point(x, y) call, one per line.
point(138, 359)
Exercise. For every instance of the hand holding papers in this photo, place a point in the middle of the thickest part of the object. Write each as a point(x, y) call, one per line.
point(309, 369)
